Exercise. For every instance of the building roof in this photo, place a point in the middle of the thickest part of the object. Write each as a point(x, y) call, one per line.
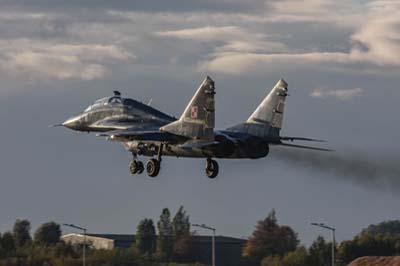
point(196, 238)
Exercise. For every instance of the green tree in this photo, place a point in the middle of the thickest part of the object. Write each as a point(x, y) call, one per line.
point(182, 235)
point(367, 245)
point(320, 252)
point(299, 257)
point(7, 244)
point(270, 239)
point(387, 228)
point(180, 223)
point(1, 247)
point(48, 234)
point(146, 237)
point(165, 239)
point(21, 233)
point(271, 261)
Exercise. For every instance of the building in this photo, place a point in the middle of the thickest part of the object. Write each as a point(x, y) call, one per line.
point(228, 250)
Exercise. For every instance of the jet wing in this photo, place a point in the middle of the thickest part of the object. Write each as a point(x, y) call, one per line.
point(137, 134)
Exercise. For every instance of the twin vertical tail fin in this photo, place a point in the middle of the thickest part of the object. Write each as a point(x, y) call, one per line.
point(198, 119)
point(266, 121)
point(270, 111)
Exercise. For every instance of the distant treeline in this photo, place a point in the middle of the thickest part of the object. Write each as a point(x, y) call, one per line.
point(169, 242)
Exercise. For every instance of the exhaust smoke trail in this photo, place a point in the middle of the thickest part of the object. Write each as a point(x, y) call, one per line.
point(354, 166)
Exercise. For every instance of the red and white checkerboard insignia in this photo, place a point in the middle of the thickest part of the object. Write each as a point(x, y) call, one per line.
point(194, 112)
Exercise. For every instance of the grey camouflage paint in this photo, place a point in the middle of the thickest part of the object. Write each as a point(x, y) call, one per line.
point(142, 129)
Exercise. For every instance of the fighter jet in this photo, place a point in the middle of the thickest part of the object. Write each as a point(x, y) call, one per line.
point(146, 131)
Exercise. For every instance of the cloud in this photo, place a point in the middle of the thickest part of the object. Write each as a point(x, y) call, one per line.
point(233, 38)
point(338, 13)
point(60, 61)
point(256, 63)
point(204, 33)
point(276, 35)
point(343, 94)
point(175, 6)
point(375, 45)
point(378, 40)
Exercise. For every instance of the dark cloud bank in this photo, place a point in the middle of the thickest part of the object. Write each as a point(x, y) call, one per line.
point(225, 6)
point(355, 166)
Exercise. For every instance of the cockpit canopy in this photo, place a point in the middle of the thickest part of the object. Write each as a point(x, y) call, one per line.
point(126, 103)
point(114, 100)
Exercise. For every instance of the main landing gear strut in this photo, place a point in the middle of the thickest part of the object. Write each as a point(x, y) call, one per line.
point(154, 164)
point(152, 167)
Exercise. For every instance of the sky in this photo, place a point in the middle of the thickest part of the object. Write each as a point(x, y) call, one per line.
point(340, 58)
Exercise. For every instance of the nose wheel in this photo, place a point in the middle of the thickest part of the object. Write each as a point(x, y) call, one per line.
point(212, 168)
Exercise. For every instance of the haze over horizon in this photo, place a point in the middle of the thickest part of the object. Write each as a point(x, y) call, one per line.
point(340, 58)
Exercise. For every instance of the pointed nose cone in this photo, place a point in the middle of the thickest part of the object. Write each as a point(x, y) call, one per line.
point(72, 123)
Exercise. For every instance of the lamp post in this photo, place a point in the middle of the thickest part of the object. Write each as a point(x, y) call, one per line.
point(322, 225)
point(213, 239)
point(84, 240)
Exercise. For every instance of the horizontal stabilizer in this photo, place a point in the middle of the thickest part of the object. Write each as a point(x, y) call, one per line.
point(301, 139)
point(304, 147)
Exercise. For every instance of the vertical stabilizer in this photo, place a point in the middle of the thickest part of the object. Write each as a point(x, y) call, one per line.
point(266, 121)
point(270, 111)
point(198, 119)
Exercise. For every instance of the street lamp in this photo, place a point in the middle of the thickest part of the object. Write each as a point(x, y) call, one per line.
point(213, 239)
point(322, 225)
point(84, 240)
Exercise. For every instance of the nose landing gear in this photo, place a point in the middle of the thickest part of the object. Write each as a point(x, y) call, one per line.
point(152, 167)
point(212, 168)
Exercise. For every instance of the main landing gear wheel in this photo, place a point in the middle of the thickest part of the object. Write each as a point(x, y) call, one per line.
point(153, 167)
point(136, 167)
point(212, 168)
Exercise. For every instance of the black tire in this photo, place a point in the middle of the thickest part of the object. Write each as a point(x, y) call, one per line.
point(133, 167)
point(140, 167)
point(153, 167)
point(212, 169)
